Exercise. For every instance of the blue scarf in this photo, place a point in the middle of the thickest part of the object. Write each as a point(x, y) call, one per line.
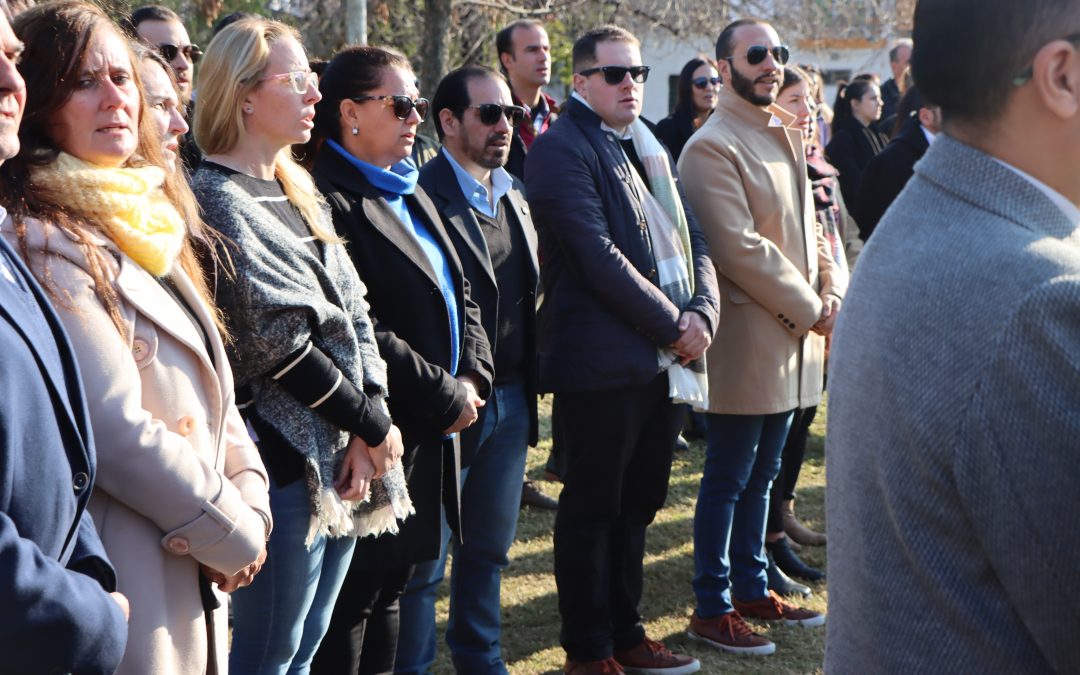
point(393, 185)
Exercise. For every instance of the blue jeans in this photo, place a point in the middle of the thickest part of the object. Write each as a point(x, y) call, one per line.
point(741, 462)
point(279, 620)
point(490, 502)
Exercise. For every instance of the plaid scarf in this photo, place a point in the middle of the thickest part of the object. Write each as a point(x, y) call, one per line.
point(670, 235)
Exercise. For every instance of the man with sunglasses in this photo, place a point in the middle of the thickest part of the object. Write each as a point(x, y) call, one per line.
point(621, 300)
point(162, 28)
point(487, 219)
point(955, 371)
point(745, 175)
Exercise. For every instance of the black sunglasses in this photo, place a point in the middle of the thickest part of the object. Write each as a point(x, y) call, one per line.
point(616, 74)
point(402, 105)
point(757, 54)
point(490, 112)
point(703, 82)
point(169, 51)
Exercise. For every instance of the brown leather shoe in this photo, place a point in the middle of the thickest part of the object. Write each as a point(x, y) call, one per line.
point(796, 531)
point(606, 666)
point(532, 496)
point(729, 633)
point(776, 608)
point(653, 658)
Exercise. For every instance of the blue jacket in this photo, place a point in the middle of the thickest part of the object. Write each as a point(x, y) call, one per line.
point(602, 315)
point(55, 614)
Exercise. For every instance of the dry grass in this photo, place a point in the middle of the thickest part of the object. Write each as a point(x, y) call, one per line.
point(530, 609)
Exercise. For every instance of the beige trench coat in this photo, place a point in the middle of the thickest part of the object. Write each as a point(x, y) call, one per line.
point(179, 481)
point(744, 173)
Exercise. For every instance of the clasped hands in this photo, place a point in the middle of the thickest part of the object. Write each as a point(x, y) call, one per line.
point(694, 338)
point(830, 309)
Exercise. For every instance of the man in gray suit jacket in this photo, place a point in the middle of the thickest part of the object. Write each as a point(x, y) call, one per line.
point(954, 416)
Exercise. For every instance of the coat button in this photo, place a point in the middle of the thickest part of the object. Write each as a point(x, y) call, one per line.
point(79, 481)
point(643, 225)
point(185, 425)
point(781, 316)
point(178, 545)
point(139, 349)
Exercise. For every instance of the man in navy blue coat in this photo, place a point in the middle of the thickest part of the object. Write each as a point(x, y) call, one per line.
point(58, 608)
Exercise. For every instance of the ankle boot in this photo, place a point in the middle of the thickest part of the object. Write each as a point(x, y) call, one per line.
point(790, 563)
point(781, 583)
point(798, 532)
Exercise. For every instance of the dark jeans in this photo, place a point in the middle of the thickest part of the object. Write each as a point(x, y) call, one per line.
point(363, 634)
point(618, 448)
point(791, 459)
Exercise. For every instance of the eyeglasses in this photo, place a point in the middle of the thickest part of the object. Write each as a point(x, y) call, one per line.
point(402, 105)
point(616, 74)
point(490, 113)
point(300, 80)
point(704, 82)
point(169, 51)
point(757, 54)
point(1023, 76)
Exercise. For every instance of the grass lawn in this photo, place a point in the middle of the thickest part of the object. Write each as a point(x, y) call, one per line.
point(530, 608)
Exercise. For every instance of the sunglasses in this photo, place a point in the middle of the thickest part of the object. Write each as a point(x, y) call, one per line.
point(705, 82)
point(757, 54)
point(402, 105)
point(490, 113)
point(616, 74)
point(169, 52)
point(299, 80)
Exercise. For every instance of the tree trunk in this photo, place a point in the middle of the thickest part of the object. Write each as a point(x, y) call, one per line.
point(356, 22)
point(435, 50)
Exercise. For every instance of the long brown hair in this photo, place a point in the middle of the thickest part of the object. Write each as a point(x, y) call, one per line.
point(56, 37)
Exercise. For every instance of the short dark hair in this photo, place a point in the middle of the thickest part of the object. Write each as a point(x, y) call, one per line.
point(148, 13)
point(229, 19)
point(584, 54)
point(894, 53)
point(453, 92)
point(352, 72)
point(725, 44)
point(1000, 37)
point(504, 39)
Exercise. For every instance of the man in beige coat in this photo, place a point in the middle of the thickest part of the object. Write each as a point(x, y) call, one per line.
point(744, 173)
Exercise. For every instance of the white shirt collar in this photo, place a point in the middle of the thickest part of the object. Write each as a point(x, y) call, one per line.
point(623, 135)
point(1067, 207)
point(930, 135)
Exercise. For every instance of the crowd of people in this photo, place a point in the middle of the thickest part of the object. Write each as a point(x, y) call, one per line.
point(267, 350)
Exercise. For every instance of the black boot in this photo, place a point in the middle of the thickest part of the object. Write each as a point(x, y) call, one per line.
point(790, 563)
point(779, 582)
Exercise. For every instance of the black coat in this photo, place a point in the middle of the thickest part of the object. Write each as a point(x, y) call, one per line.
point(887, 174)
point(439, 181)
point(850, 150)
point(890, 99)
point(675, 130)
point(412, 329)
point(602, 316)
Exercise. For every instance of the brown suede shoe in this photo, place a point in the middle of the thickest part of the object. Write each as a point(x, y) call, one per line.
point(796, 531)
point(729, 633)
point(776, 608)
point(607, 666)
point(653, 658)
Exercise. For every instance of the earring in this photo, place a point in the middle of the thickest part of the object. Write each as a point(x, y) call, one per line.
point(355, 131)
point(247, 110)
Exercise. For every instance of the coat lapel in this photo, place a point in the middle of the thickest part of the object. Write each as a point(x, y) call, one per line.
point(458, 213)
point(521, 218)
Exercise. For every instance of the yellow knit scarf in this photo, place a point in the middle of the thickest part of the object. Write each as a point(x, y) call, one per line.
point(128, 204)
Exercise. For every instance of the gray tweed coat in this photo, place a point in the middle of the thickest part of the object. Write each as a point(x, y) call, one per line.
point(954, 431)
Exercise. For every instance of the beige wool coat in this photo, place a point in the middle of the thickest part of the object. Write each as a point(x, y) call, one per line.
point(179, 481)
point(744, 173)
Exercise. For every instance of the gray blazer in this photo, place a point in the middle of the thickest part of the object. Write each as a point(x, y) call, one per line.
point(954, 431)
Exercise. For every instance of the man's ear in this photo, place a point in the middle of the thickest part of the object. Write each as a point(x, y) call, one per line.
point(449, 123)
point(1056, 77)
point(506, 59)
point(723, 66)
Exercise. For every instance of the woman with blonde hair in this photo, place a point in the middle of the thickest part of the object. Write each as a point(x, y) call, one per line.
point(182, 494)
point(311, 379)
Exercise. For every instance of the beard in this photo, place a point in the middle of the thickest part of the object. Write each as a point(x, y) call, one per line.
point(493, 156)
point(744, 87)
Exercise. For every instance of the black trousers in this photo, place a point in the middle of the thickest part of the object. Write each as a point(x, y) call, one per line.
point(363, 634)
point(619, 446)
point(783, 488)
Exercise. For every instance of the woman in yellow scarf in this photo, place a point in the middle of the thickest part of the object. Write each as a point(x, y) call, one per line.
point(181, 503)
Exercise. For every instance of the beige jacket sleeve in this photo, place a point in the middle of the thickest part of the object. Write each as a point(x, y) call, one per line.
point(141, 462)
point(244, 467)
point(716, 191)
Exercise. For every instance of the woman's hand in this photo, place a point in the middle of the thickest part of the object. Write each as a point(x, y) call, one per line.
point(356, 471)
point(386, 454)
point(473, 403)
point(228, 584)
